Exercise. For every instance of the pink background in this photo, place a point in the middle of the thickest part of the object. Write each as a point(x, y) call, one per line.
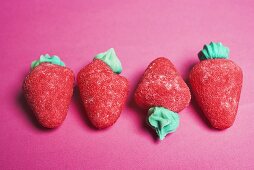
point(139, 31)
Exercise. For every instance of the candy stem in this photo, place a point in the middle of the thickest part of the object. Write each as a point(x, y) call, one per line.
point(213, 51)
point(46, 58)
point(110, 58)
point(163, 121)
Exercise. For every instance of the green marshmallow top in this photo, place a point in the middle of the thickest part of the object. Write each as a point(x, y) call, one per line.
point(46, 58)
point(109, 57)
point(213, 51)
point(163, 121)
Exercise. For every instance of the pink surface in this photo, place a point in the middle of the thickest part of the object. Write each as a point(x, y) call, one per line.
point(139, 31)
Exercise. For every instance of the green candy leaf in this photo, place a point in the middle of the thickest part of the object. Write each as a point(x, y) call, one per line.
point(109, 57)
point(46, 58)
point(213, 51)
point(163, 121)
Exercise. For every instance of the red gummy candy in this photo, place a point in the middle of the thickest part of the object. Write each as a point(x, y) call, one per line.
point(162, 85)
point(103, 93)
point(216, 85)
point(48, 89)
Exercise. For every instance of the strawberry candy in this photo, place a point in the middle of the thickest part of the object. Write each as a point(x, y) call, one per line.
point(216, 83)
point(163, 91)
point(102, 90)
point(48, 89)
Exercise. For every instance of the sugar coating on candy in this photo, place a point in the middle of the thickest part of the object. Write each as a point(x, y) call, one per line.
point(103, 93)
point(97, 66)
point(162, 85)
point(48, 90)
point(216, 85)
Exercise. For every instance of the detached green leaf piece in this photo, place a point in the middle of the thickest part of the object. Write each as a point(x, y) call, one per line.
point(46, 58)
point(213, 51)
point(110, 58)
point(163, 121)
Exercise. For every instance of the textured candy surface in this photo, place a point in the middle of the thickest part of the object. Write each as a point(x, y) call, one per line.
point(103, 93)
point(162, 85)
point(97, 66)
point(48, 90)
point(216, 85)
